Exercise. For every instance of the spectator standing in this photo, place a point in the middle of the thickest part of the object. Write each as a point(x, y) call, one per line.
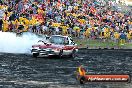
point(1, 23)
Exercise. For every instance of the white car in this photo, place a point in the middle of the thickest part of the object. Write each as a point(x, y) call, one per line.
point(57, 45)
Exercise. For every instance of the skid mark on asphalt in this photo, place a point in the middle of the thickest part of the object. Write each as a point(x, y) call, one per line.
point(28, 82)
point(24, 70)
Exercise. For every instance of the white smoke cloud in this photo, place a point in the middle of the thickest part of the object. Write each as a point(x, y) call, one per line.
point(10, 43)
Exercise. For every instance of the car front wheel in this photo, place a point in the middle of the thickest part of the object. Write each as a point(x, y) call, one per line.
point(35, 55)
point(61, 54)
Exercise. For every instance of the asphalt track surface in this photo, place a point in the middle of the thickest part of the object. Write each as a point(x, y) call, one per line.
point(24, 71)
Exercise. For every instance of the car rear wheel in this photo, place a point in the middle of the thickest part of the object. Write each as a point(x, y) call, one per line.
point(73, 55)
point(35, 55)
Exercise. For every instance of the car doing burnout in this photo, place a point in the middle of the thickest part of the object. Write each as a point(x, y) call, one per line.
point(57, 45)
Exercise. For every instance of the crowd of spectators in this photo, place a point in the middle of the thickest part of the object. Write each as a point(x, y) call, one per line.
point(94, 19)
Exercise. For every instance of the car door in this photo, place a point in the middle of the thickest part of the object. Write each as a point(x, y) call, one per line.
point(69, 46)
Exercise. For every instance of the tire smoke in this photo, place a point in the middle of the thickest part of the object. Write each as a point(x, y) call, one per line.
point(10, 43)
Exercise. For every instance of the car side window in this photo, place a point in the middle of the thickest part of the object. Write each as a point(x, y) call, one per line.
point(72, 42)
point(66, 41)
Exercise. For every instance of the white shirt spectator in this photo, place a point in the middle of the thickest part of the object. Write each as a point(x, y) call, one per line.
point(57, 29)
point(44, 28)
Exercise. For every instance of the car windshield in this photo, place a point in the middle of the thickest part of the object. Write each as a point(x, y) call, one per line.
point(57, 40)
